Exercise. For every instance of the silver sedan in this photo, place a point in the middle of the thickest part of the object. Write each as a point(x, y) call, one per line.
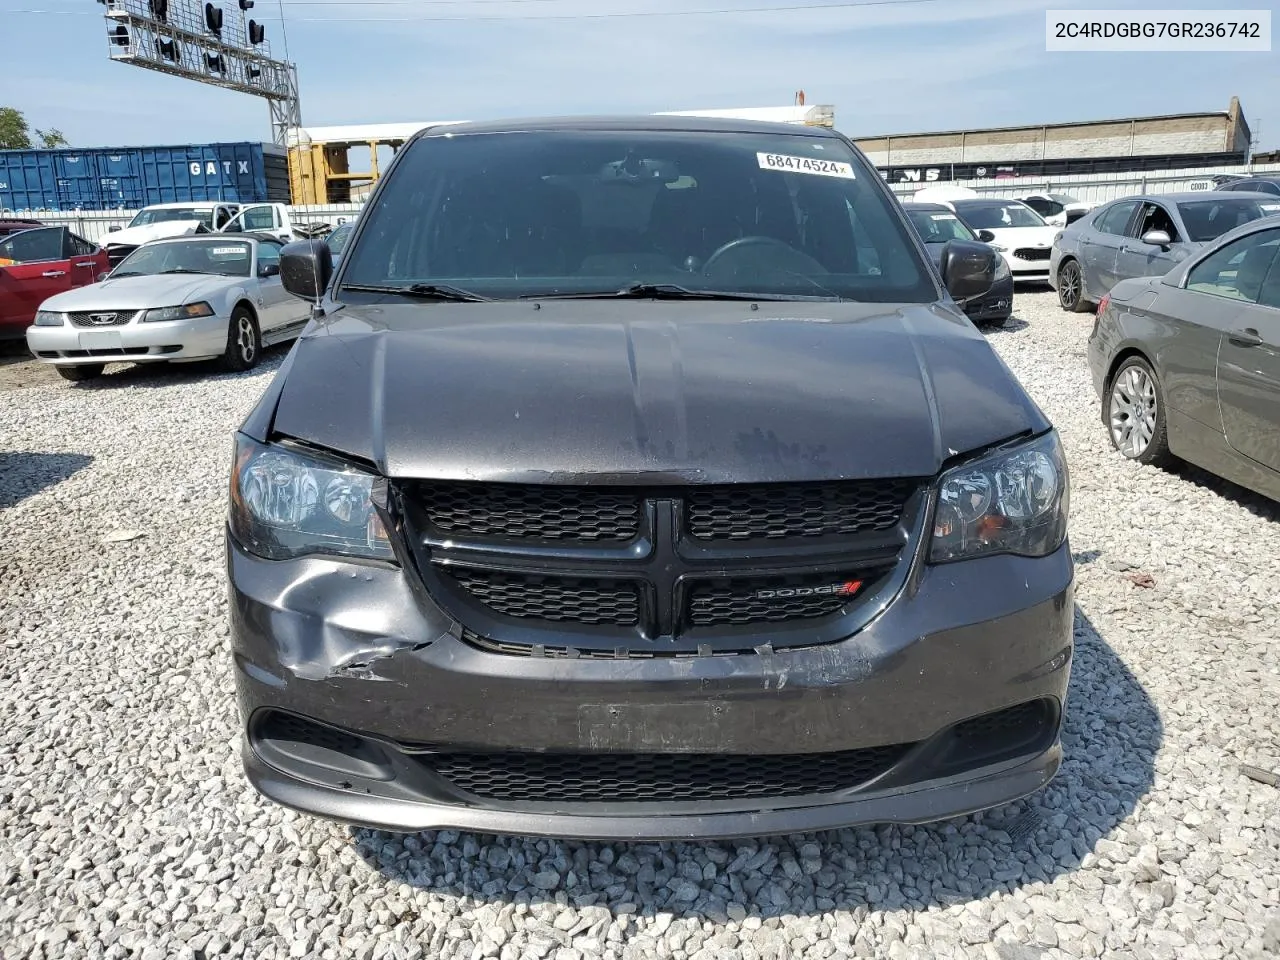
point(189, 298)
point(1143, 237)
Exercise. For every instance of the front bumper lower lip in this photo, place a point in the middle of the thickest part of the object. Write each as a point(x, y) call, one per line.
point(918, 803)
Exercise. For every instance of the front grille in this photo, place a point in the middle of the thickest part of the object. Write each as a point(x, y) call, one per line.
point(531, 512)
point(102, 318)
point(656, 571)
point(557, 599)
point(797, 510)
point(771, 599)
point(1031, 253)
point(659, 778)
point(117, 253)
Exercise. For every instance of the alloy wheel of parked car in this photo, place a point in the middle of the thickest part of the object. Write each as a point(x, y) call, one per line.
point(244, 343)
point(84, 371)
point(1071, 288)
point(1135, 414)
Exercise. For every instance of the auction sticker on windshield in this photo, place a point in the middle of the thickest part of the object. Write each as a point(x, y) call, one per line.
point(813, 165)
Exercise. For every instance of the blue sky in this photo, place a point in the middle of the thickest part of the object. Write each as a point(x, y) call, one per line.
point(934, 65)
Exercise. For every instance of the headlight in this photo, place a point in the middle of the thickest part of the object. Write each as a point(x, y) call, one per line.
point(1002, 269)
point(48, 318)
point(1012, 501)
point(998, 248)
point(285, 504)
point(188, 312)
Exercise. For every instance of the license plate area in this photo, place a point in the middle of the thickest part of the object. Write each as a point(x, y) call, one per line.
point(100, 340)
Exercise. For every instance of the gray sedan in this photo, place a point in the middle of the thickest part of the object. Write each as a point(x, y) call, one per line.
point(1188, 365)
point(1143, 237)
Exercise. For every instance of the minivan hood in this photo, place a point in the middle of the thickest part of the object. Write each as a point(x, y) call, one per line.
point(636, 391)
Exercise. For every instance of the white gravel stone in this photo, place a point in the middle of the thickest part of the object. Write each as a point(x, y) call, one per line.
point(127, 829)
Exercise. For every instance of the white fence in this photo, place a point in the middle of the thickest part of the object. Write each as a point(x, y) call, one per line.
point(95, 225)
point(1092, 188)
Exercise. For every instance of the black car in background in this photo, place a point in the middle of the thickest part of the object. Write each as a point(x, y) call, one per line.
point(937, 226)
point(635, 479)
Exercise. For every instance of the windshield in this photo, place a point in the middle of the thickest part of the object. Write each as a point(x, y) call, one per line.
point(993, 215)
point(1210, 219)
point(220, 257)
point(1062, 198)
point(592, 212)
point(167, 214)
point(938, 226)
point(338, 239)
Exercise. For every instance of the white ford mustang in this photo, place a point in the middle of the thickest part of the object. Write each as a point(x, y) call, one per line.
point(188, 298)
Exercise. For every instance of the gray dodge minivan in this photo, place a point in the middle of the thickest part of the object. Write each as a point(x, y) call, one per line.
point(642, 478)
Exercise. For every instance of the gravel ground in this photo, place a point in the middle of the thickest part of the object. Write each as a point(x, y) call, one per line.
point(127, 830)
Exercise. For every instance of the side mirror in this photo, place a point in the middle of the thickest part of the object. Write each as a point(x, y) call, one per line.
point(968, 269)
point(114, 229)
point(269, 270)
point(1157, 238)
point(102, 276)
point(305, 268)
point(986, 236)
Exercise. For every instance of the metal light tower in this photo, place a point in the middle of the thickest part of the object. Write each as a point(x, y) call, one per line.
point(187, 38)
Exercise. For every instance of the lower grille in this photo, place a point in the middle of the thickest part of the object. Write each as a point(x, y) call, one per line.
point(1031, 253)
point(659, 778)
point(287, 727)
point(103, 318)
point(1024, 717)
point(558, 599)
point(771, 599)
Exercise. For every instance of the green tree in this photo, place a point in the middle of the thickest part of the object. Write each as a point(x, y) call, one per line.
point(52, 138)
point(14, 132)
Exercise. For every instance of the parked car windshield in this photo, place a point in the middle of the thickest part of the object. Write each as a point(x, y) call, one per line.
point(574, 212)
point(145, 218)
point(1210, 219)
point(219, 256)
point(337, 241)
point(996, 215)
point(938, 226)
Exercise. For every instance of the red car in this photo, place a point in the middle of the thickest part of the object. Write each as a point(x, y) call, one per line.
point(37, 263)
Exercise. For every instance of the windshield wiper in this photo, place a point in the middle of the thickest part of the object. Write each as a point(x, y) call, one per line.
point(179, 270)
point(422, 291)
point(126, 273)
point(657, 291)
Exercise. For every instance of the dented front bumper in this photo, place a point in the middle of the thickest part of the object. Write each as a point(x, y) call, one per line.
point(356, 648)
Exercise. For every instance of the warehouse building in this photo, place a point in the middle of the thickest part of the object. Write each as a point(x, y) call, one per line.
point(1177, 141)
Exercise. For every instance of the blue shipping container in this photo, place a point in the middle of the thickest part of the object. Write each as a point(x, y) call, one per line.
point(113, 178)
